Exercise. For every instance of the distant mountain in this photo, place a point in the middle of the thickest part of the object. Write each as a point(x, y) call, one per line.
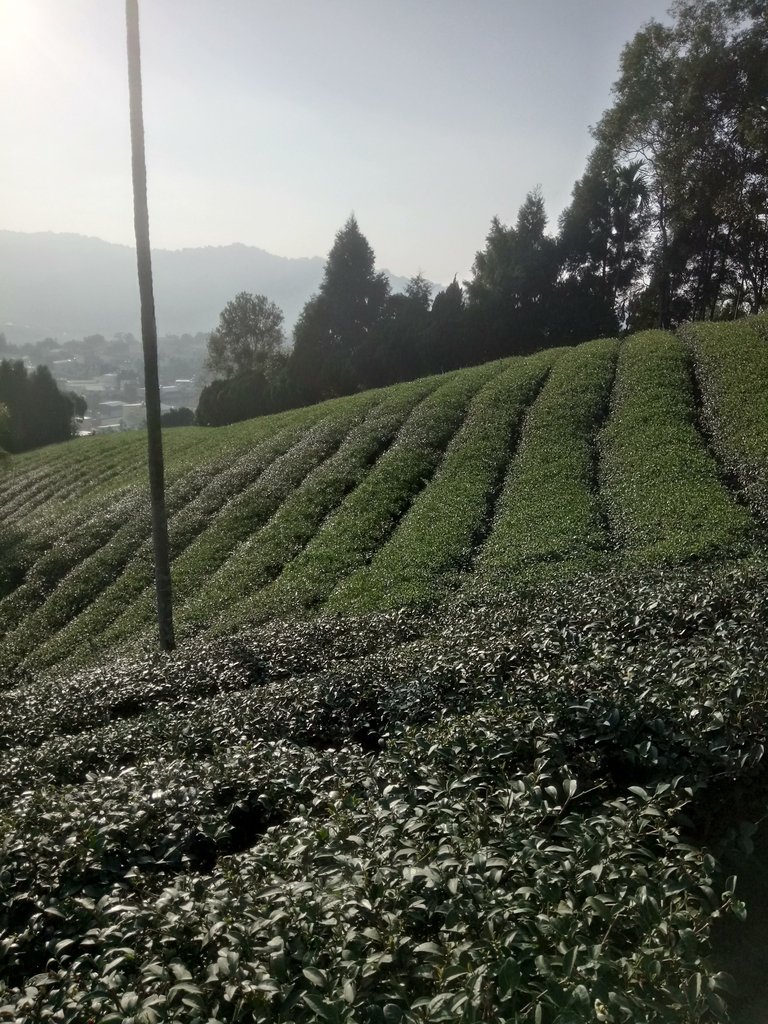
point(69, 286)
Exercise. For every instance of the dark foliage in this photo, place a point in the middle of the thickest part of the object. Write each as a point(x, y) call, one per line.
point(510, 810)
point(256, 392)
point(335, 325)
point(182, 417)
point(39, 413)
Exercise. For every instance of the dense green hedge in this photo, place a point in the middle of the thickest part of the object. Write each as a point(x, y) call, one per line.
point(91, 571)
point(484, 816)
point(128, 605)
point(76, 572)
point(731, 361)
point(662, 490)
point(436, 538)
point(99, 492)
point(279, 476)
point(263, 555)
point(550, 509)
point(366, 518)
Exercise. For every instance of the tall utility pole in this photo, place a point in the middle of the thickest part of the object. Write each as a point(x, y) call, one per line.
point(149, 336)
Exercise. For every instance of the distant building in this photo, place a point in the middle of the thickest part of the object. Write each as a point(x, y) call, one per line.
point(111, 409)
point(134, 415)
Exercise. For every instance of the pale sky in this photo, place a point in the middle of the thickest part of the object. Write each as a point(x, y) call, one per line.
point(267, 123)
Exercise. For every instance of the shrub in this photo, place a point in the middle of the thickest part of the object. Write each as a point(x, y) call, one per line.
point(549, 509)
point(731, 362)
point(435, 539)
point(261, 557)
point(533, 836)
point(369, 514)
point(664, 498)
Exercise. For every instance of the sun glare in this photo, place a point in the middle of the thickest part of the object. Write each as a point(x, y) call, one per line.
point(23, 32)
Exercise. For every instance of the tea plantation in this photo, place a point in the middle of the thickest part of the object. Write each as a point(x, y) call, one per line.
point(466, 722)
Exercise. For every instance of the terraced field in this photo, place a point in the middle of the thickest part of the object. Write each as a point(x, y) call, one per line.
point(466, 723)
point(599, 455)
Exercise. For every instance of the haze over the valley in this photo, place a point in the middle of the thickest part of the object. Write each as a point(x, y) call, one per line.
point(69, 286)
point(267, 124)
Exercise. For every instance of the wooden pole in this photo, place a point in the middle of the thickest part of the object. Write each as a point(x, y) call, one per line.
point(148, 335)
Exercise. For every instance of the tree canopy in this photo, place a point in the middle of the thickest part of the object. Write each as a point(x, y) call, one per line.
point(513, 283)
point(335, 324)
point(249, 334)
point(5, 429)
point(690, 113)
point(668, 222)
point(37, 412)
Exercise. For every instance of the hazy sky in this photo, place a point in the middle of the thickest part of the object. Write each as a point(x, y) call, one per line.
point(269, 122)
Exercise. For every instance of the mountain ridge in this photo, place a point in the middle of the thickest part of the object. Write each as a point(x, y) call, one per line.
point(68, 285)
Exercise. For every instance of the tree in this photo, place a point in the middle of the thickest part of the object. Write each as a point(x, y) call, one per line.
point(181, 417)
point(334, 326)
point(79, 404)
point(37, 412)
point(447, 342)
point(689, 106)
point(510, 295)
point(394, 348)
point(248, 336)
point(248, 394)
point(602, 238)
point(246, 351)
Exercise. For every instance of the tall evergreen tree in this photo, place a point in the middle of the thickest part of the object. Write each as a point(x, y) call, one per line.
point(394, 347)
point(602, 238)
point(5, 429)
point(334, 326)
point(447, 339)
point(37, 412)
point(511, 292)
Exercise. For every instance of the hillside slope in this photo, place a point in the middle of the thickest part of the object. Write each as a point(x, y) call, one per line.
point(489, 742)
point(652, 450)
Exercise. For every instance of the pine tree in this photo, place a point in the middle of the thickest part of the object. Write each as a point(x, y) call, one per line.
point(511, 293)
point(334, 325)
point(394, 349)
point(447, 341)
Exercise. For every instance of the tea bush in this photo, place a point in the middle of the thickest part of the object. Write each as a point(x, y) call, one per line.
point(204, 555)
point(550, 509)
point(732, 363)
point(366, 518)
point(420, 560)
point(509, 810)
point(260, 558)
point(661, 486)
point(263, 522)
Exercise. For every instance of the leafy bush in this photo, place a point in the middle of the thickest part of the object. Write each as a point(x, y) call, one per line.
point(238, 518)
point(366, 518)
point(731, 361)
point(80, 581)
point(261, 557)
point(212, 487)
point(664, 498)
point(214, 834)
point(419, 561)
point(549, 508)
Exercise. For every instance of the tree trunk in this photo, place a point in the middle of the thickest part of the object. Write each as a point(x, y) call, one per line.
point(665, 284)
point(148, 335)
